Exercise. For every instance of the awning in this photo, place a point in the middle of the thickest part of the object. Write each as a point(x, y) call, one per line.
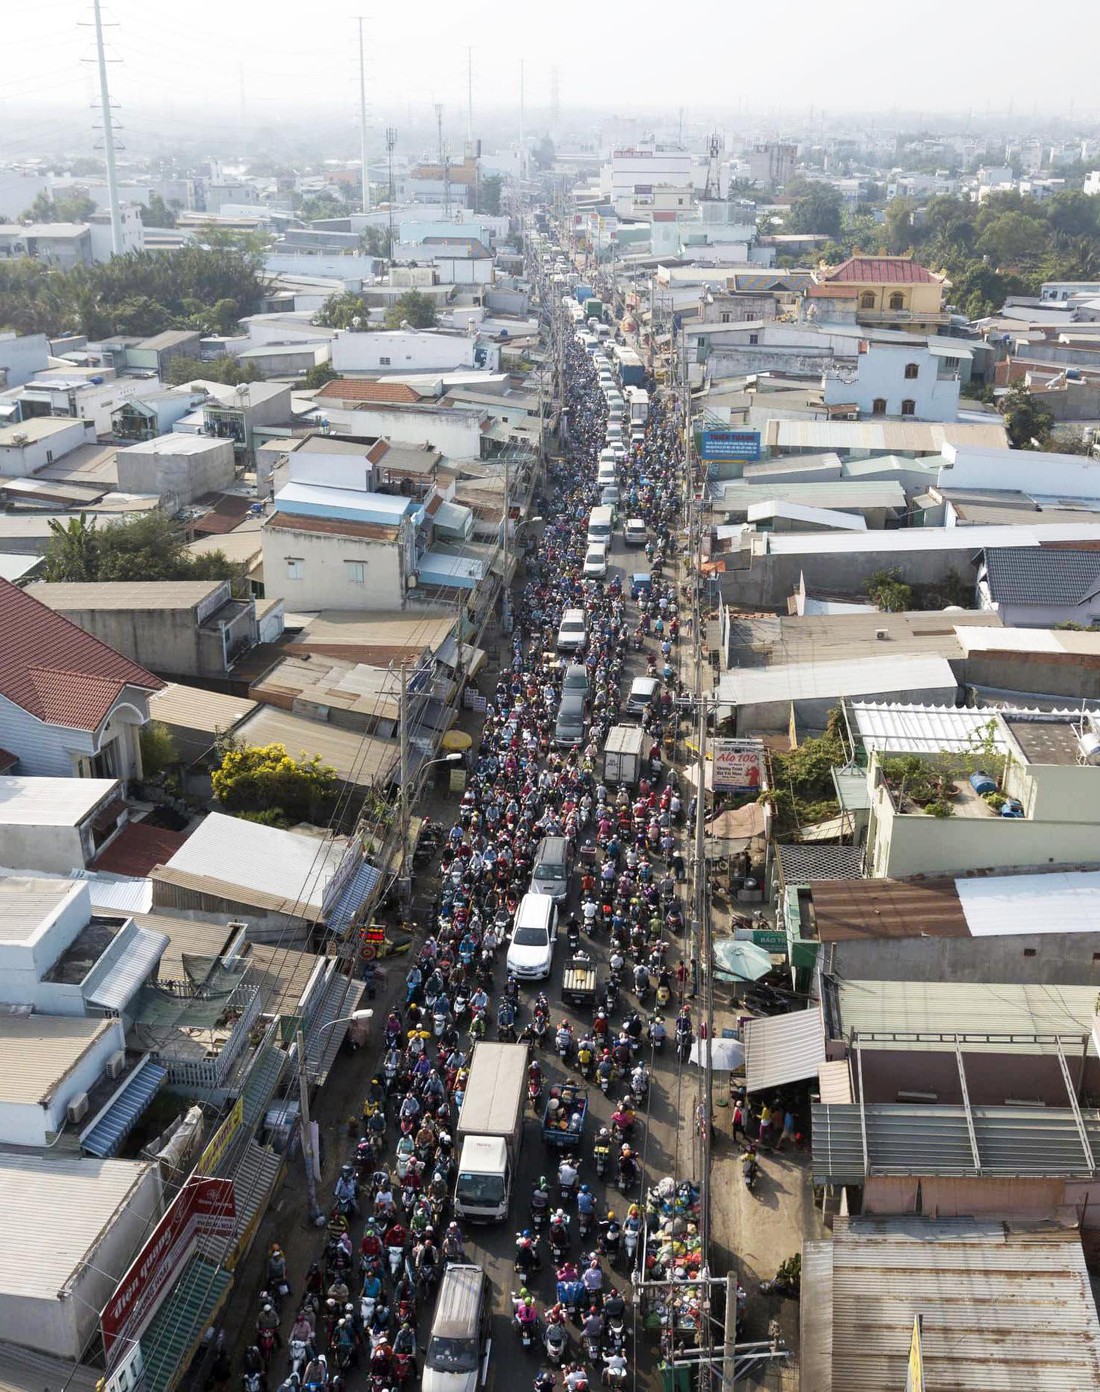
point(172, 1334)
point(129, 961)
point(109, 815)
point(783, 1048)
point(355, 895)
point(111, 1127)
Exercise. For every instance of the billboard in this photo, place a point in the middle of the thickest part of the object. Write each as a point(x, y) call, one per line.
point(202, 1205)
point(738, 766)
point(729, 444)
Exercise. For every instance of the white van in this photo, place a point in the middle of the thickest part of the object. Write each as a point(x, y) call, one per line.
point(456, 1359)
point(607, 474)
point(601, 521)
point(573, 629)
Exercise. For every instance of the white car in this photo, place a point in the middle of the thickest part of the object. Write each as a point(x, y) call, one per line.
point(572, 631)
point(618, 449)
point(595, 562)
point(531, 947)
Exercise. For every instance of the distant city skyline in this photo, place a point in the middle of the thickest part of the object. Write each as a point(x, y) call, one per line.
point(261, 60)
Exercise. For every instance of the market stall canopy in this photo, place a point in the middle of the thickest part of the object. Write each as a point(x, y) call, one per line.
point(726, 1055)
point(740, 959)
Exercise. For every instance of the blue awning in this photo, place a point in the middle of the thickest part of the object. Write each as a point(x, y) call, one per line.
point(353, 898)
point(111, 1128)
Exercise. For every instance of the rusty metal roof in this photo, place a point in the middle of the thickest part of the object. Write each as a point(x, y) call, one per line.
point(851, 910)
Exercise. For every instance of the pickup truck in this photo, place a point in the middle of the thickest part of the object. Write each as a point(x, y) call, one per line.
point(564, 1116)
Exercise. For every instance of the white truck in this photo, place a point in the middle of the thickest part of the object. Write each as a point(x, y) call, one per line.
point(637, 400)
point(490, 1131)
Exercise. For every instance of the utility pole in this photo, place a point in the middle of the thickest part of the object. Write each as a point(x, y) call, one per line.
point(403, 719)
point(522, 135)
point(506, 592)
point(391, 141)
point(307, 1139)
point(363, 163)
point(108, 135)
point(470, 98)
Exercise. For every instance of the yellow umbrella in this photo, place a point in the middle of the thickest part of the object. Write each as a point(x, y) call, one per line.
point(456, 741)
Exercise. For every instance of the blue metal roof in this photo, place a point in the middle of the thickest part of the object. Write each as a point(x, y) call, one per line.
point(352, 899)
point(123, 1114)
point(346, 504)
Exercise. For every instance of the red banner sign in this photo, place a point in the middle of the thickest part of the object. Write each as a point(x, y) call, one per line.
point(202, 1205)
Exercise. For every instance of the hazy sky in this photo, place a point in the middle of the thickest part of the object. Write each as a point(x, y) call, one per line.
point(630, 57)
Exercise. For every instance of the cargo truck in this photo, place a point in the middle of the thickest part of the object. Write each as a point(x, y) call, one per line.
point(583, 292)
point(490, 1131)
point(631, 368)
point(637, 400)
point(622, 754)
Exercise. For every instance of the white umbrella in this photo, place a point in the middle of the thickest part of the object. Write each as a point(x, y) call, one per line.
point(726, 1055)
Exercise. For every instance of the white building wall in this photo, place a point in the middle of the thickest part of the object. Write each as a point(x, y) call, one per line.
point(326, 580)
point(455, 433)
point(879, 375)
point(1051, 475)
point(97, 403)
point(133, 233)
point(20, 461)
point(22, 356)
point(36, 1124)
point(407, 350)
point(53, 849)
point(154, 467)
point(43, 750)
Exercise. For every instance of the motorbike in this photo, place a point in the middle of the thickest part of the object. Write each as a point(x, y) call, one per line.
point(592, 1348)
point(555, 1342)
point(396, 1257)
point(299, 1357)
point(527, 1329)
point(750, 1171)
point(404, 1367)
point(265, 1342)
point(559, 1241)
point(534, 1092)
point(630, 1244)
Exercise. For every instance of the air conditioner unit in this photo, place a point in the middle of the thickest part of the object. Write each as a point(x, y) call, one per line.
point(116, 1064)
point(78, 1108)
point(882, 634)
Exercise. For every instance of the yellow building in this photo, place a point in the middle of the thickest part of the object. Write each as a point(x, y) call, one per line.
point(893, 290)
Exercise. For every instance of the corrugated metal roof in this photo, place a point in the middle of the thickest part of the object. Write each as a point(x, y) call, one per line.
point(967, 539)
point(861, 910)
point(263, 1078)
point(813, 516)
point(132, 957)
point(1061, 902)
point(808, 681)
point(129, 896)
point(356, 893)
point(191, 708)
point(181, 1319)
point(1002, 1309)
point(108, 1132)
point(342, 996)
point(883, 437)
point(56, 1210)
point(968, 1009)
point(894, 728)
point(26, 1370)
point(783, 1048)
point(856, 496)
point(282, 865)
point(358, 758)
point(61, 802)
point(41, 1052)
point(834, 1082)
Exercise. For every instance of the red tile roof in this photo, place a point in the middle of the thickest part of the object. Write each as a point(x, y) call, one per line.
point(54, 670)
point(227, 512)
point(354, 390)
point(137, 848)
point(882, 270)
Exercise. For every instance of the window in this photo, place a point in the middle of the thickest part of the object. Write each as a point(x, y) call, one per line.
point(878, 406)
point(726, 316)
point(911, 371)
point(897, 300)
point(867, 300)
point(908, 407)
point(754, 338)
point(295, 568)
point(49, 456)
point(355, 572)
point(384, 362)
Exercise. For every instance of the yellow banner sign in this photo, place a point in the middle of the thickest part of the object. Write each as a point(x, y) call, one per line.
point(914, 1382)
point(220, 1141)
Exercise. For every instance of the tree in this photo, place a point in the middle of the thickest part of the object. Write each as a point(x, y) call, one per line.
point(1073, 214)
point(897, 226)
point(342, 310)
point(815, 208)
point(889, 591)
point(318, 375)
point(159, 751)
point(376, 240)
point(225, 368)
point(151, 546)
point(544, 153)
point(489, 195)
point(413, 308)
point(1028, 424)
point(1014, 237)
point(325, 204)
point(73, 207)
point(979, 291)
point(265, 779)
point(157, 213)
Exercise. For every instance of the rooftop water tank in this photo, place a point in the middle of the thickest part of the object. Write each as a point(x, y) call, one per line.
point(1089, 744)
point(982, 783)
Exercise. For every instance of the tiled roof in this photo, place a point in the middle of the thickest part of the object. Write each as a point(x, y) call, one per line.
point(56, 671)
point(137, 848)
point(879, 270)
point(1035, 575)
point(352, 390)
point(331, 526)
